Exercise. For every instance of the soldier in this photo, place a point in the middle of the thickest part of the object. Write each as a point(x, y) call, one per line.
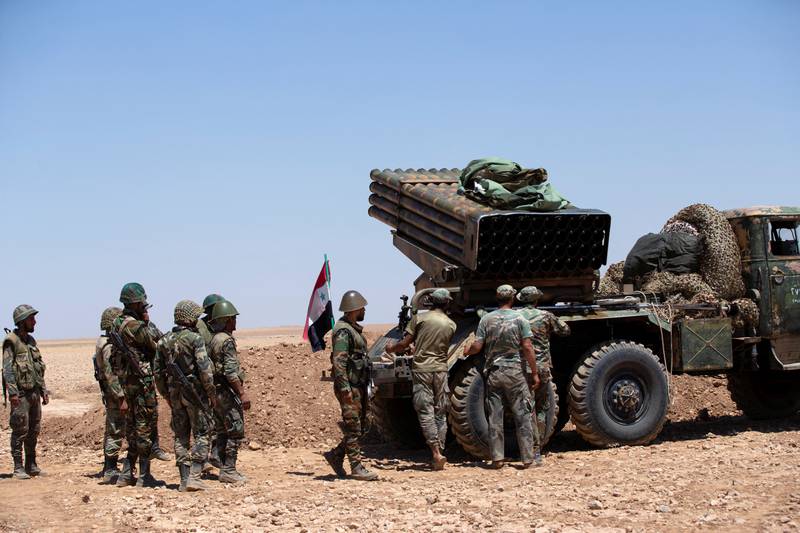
point(113, 396)
point(232, 399)
point(543, 324)
point(132, 361)
point(431, 334)
point(185, 378)
point(23, 381)
point(349, 369)
point(504, 333)
point(204, 329)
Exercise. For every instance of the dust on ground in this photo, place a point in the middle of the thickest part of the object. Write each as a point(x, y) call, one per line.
point(710, 469)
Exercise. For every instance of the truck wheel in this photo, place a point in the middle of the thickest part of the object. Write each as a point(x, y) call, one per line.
point(396, 421)
point(765, 395)
point(619, 395)
point(467, 415)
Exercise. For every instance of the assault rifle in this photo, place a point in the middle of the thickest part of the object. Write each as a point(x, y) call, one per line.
point(186, 386)
point(227, 384)
point(130, 356)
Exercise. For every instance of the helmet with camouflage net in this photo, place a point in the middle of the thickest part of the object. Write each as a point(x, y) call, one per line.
point(441, 297)
point(223, 309)
point(187, 312)
point(352, 301)
point(108, 317)
point(212, 299)
point(132, 293)
point(529, 294)
point(21, 312)
point(504, 292)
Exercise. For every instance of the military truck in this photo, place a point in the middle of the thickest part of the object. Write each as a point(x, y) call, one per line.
point(611, 375)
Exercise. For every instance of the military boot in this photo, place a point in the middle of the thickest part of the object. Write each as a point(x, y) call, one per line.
point(127, 478)
point(19, 469)
point(109, 469)
point(228, 472)
point(184, 472)
point(146, 479)
point(30, 465)
point(335, 458)
point(358, 471)
point(194, 483)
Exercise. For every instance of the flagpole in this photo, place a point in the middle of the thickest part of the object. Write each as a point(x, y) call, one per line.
point(328, 283)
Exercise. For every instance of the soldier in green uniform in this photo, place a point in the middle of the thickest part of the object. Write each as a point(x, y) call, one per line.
point(543, 324)
point(504, 334)
point(349, 370)
point(23, 382)
point(232, 399)
point(182, 352)
point(113, 396)
point(204, 329)
point(132, 363)
point(431, 334)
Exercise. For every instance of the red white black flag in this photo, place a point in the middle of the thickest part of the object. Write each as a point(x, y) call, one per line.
point(319, 319)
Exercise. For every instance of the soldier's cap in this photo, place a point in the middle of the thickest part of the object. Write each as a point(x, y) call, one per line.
point(504, 292)
point(529, 294)
point(441, 296)
point(21, 312)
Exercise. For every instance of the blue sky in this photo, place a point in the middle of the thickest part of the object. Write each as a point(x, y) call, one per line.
point(199, 147)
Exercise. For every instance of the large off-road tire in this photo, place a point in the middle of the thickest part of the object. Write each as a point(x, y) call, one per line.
point(467, 415)
point(763, 395)
point(619, 394)
point(395, 420)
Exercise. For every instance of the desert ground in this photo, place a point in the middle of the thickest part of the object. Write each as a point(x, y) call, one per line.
point(710, 469)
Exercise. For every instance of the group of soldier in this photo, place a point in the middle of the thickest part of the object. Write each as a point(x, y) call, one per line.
point(516, 348)
point(194, 367)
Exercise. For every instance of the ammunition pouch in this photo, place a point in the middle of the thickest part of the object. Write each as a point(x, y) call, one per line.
point(358, 369)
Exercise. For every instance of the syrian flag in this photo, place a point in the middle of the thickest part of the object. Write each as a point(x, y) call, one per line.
point(319, 319)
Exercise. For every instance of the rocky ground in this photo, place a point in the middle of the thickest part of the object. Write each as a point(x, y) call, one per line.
point(710, 469)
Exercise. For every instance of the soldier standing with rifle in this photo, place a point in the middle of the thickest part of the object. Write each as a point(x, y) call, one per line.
point(232, 400)
point(350, 378)
point(134, 339)
point(185, 378)
point(505, 333)
point(431, 334)
point(543, 324)
point(113, 396)
point(23, 382)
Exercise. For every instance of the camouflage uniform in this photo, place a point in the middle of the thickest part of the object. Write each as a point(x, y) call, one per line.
point(185, 347)
point(349, 369)
point(140, 392)
point(112, 398)
point(543, 324)
point(229, 416)
point(432, 333)
point(204, 330)
point(502, 332)
point(23, 376)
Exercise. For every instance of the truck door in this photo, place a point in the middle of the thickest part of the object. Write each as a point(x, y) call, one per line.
point(783, 261)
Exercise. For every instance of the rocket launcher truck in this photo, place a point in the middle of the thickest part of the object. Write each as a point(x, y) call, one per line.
point(611, 375)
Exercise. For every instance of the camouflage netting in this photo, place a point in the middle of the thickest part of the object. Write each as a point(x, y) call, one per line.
point(719, 280)
point(720, 263)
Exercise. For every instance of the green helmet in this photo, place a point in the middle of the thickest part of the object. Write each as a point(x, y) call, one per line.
point(504, 292)
point(352, 301)
point(441, 296)
point(529, 294)
point(22, 312)
point(212, 299)
point(187, 312)
point(108, 317)
point(223, 309)
point(133, 293)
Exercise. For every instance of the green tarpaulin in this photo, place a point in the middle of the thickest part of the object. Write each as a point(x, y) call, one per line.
point(504, 184)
